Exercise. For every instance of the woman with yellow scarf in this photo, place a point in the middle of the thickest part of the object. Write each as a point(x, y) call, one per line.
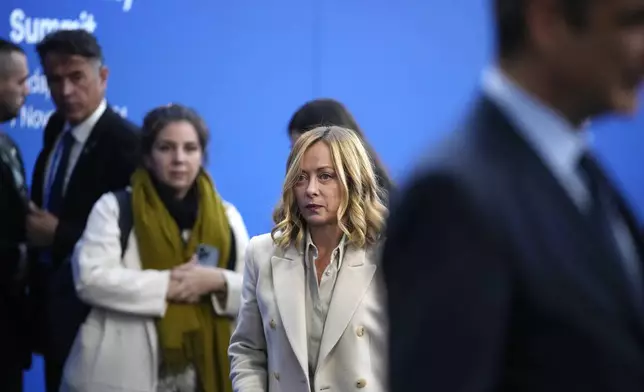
point(160, 319)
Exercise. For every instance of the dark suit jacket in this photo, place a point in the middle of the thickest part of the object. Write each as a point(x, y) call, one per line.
point(12, 209)
point(13, 343)
point(109, 158)
point(495, 281)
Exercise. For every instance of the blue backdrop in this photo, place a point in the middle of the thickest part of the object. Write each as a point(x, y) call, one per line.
point(405, 68)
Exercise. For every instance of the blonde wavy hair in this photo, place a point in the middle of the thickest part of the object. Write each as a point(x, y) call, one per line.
point(362, 211)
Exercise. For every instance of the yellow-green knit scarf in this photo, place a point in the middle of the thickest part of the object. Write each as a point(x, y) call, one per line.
point(188, 334)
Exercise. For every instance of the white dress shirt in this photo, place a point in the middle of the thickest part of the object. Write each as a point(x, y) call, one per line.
point(560, 146)
point(557, 142)
point(81, 133)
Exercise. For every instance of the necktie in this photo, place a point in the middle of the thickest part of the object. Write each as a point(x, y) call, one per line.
point(603, 214)
point(59, 164)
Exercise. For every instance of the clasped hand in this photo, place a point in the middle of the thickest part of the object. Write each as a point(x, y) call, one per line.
point(40, 226)
point(190, 281)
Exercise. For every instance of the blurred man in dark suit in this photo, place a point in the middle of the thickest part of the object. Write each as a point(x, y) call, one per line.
point(15, 354)
point(88, 150)
point(527, 260)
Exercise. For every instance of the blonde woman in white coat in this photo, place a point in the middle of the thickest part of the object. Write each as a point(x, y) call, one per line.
point(160, 321)
point(313, 315)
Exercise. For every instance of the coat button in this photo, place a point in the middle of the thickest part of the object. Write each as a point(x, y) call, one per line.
point(360, 331)
point(273, 324)
point(276, 375)
point(361, 383)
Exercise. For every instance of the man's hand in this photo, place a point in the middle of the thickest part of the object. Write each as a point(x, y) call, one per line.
point(40, 226)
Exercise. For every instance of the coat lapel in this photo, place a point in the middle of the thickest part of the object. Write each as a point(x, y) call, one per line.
point(86, 158)
point(353, 281)
point(289, 288)
point(52, 131)
point(542, 190)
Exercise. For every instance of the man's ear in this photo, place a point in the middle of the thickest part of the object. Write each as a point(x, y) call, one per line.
point(544, 21)
point(103, 73)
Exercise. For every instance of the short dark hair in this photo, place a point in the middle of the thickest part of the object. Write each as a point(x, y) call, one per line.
point(76, 42)
point(7, 48)
point(511, 28)
point(159, 118)
point(320, 112)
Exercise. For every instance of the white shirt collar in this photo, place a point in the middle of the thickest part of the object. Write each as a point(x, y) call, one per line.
point(82, 131)
point(559, 144)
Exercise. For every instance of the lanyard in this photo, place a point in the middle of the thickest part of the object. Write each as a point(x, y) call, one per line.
point(53, 168)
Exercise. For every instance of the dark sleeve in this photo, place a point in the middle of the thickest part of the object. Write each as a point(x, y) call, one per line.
point(11, 228)
point(129, 158)
point(12, 194)
point(67, 234)
point(448, 289)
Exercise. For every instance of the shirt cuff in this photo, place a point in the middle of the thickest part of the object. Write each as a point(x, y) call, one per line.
point(233, 300)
